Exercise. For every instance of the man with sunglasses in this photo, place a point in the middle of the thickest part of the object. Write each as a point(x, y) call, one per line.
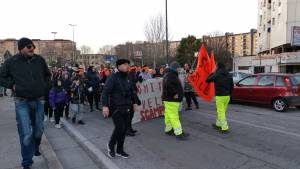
point(27, 74)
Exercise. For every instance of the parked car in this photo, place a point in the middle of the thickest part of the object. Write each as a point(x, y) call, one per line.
point(237, 76)
point(280, 90)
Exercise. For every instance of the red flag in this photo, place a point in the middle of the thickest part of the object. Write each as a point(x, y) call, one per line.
point(198, 78)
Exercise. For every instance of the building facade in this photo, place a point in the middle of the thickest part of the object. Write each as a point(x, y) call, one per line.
point(54, 51)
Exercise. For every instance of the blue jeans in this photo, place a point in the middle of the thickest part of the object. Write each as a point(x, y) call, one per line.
point(30, 117)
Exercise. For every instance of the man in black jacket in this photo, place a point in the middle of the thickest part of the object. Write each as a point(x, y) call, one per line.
point(117, 99)
point(172, 96)
point(27, 74)
point(93, 87)
point(223, 86)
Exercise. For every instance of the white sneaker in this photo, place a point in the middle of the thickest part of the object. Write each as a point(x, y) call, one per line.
point(58, 126)
point(45, 118)
point(52, 120)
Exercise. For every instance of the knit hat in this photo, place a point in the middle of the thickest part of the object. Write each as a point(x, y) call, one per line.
point(23, 42)
point(122, 61)
point(174, 65)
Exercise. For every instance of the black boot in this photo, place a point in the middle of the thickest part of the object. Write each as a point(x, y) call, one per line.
point(73, 120)
point(129, 133)
point(183, 136)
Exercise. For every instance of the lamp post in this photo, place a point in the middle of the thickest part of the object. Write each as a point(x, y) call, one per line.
point(167, 41)
point(53, 52)
point(54, 33)
point(73, 46)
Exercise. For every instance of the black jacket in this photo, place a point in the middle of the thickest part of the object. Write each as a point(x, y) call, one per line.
point(119, 92)
point(223, 82)
point(172, 87)
point(92, 80)
point(31, 77)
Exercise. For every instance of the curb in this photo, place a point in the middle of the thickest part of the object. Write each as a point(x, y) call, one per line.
point(97, 155)
point(49, 155)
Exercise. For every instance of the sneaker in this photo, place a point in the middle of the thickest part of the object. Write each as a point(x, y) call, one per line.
point(133, 131)
point(45, 118)
point(188, 108)
point(122, 154)
point(224, 131)
point(58, 126)
point(216, 127)
point(81, 122)
point(183, 136)
point(129, 133)
point(111, 153)
point(170, 133)
point(37, 153)
point(26, 167)
point(73, 120)
point(52, 120)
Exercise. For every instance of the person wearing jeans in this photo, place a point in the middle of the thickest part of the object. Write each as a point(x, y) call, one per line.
point(30, 117)
point(28, 76)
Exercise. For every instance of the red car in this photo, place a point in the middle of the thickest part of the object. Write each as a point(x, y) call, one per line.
point(280, 90)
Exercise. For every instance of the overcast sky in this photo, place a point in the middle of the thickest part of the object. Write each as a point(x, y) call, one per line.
point(111, 22)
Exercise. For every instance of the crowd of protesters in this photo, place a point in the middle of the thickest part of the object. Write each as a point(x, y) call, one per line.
point(43, 94)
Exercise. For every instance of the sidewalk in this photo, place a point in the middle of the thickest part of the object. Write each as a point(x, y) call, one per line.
point(10, 155)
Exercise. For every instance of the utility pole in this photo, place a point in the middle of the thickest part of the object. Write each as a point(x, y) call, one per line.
point(73, 50)
point(167, 40)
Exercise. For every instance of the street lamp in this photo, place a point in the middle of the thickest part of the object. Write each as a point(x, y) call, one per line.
point(73, 46)
point(54, 33)
point(53, 54)
point(167, 41)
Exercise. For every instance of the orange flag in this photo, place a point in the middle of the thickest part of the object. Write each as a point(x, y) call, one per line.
point(198, 78)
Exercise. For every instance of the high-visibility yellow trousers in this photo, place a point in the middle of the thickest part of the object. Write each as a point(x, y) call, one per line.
point(222, 105)
point(172, 120)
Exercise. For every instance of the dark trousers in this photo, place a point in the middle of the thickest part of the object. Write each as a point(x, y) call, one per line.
point(93, 97)
point(131, 114)
point(120, 119)
point(47, 109)
point(59, 109)
point(189, 96)
point(67, 109)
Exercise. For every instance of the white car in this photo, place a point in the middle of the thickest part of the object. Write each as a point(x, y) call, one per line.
point(237, 76)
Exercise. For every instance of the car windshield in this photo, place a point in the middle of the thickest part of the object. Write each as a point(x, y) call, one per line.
point(295, 80)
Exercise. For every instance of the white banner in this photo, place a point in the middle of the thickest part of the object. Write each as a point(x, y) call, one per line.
point(149, 92)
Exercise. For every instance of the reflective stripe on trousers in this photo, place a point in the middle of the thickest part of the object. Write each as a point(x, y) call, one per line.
point(222, 105)
point(172, 120)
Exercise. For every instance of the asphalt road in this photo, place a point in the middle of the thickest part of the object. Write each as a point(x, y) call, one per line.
point(260, 138)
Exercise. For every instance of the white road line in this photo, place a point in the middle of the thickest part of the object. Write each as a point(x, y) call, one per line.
point(257, 126)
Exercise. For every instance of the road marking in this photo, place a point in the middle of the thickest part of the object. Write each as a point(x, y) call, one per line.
point(257, 126)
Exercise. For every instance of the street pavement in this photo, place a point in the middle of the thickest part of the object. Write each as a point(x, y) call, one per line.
point(260, 138)
point(10, 151)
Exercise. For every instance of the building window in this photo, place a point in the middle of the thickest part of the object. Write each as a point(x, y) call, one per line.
point(279, 3)
point(273, 6)
point(273, 21)
point(279, 16)
point(264, 28)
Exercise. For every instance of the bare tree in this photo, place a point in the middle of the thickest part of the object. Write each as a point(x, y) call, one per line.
point(218, 42)
point(107, 49)
point(86, 49)
point(155, 33)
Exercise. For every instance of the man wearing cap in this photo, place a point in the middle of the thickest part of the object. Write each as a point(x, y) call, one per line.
point(27, 74)
point(172, 96)
point(117, 99)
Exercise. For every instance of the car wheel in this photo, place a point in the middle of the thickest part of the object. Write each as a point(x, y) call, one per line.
point(280, 105)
